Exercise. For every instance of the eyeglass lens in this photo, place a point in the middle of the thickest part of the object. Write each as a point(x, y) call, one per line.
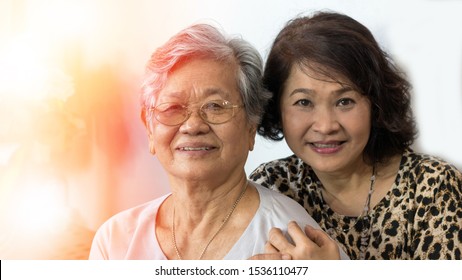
point(214, 112)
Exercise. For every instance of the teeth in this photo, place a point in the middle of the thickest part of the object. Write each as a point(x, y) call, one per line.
point(195, 149)
point(319, 145)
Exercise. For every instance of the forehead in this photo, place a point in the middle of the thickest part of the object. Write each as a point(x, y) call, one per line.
point(202, 76)
point(319, 73)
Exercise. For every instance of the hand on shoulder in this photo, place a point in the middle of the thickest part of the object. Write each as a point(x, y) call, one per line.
point(308, 244)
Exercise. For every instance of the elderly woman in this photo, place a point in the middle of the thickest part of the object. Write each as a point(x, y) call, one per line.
point(201, 103)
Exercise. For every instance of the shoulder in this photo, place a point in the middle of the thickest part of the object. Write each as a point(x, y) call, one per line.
point(273, 196)
point(278, 166)
point(121, 232)
point(426, 162)
point(433, 180)
point(125, 222)
point(430, 170)
point(279, 207)
point(280, 171)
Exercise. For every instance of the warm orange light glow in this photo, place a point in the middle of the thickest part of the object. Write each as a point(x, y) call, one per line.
point(23, 71)
point(37, 129)
point(61, 19)
point(41, 208)
point(63, 131)
point(30, 57)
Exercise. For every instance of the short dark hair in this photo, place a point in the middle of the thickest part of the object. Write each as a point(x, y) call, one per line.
point(335, 45)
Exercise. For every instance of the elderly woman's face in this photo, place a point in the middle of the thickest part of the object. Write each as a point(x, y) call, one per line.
point(196, 149)
point(325, 123)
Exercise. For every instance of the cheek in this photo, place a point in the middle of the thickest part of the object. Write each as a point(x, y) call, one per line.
point(365, 132)
point(293, 123)
point(163, 136)
point(360, 126)
point(239, 136)
point(235, 138)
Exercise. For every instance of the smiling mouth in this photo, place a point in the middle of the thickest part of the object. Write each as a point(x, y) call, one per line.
point(326, 145)
point(188, 149)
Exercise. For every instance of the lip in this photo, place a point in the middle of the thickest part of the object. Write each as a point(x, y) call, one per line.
point(326, 147)
point(195, 147)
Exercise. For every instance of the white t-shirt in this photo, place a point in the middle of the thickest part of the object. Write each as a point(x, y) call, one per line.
point(130, 234)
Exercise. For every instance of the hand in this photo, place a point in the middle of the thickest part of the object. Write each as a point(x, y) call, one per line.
point(271, 254)
point(310, 244)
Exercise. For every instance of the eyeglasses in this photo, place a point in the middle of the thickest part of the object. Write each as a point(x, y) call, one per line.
point(212, 112)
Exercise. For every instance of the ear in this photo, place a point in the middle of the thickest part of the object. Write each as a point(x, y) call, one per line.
point(152, 148)
point(252, 134)
point(143, 116)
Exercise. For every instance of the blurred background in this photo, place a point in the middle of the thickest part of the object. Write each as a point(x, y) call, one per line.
point(73, 150)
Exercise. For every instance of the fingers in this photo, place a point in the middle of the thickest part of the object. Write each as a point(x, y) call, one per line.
point(271, 253)
point(273, 256)
point(279, 241)
point(298, 235)
point(327, 245)
point(309, 244)
point(321, 238)
point(317, 236)
point(269, 249)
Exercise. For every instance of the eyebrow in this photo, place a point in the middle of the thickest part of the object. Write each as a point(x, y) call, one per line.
point(214, 90)
point(309, 91)
point(208, 92)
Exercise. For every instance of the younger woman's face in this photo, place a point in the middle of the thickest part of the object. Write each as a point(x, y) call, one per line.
point(325, 122)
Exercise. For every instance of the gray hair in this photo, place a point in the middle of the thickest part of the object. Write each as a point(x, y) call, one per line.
point(206, 41)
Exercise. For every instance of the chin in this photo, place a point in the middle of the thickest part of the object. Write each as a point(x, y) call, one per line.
point(325, 166)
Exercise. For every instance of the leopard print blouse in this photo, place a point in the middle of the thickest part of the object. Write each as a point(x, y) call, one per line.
point(419, 218)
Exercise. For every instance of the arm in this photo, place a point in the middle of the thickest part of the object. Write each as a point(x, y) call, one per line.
point(438, 217)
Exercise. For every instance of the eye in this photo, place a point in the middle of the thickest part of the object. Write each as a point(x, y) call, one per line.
point(169, 108)
point(215, 105)
point(345, 102)
point(303, 103)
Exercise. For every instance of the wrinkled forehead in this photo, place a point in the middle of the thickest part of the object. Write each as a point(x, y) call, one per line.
point(204, 77)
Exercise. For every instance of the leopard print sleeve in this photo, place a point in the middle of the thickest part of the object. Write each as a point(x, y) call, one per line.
point(262, 176)
point(438, 213)
point(283, 175)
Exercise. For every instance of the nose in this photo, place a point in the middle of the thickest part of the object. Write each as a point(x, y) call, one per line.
point(325, 121)
point(194, 124)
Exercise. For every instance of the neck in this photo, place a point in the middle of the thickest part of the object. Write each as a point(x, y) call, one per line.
point(215, 232)
point(197, 203)
point(347, 193)
point(192, 234)
point(198, 216)
point(346, 181)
